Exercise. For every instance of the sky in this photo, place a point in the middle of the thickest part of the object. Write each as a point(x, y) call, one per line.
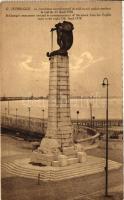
point(96, 51)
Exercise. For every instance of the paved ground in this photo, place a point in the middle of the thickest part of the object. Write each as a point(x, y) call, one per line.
point(83, 188)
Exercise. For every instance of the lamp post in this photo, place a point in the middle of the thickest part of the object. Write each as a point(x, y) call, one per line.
point(29, 109)
point(16, 115)
point(8, 107)
point(43, 120)
point(91, 117)
point(5, 115)
point(77, 120)
point(106, 84)
point(5, 111)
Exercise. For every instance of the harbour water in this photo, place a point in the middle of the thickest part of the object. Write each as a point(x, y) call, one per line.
point(20, 107)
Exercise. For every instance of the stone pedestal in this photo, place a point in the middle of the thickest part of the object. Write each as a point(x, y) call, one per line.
point(59, 123)
point(59, 136)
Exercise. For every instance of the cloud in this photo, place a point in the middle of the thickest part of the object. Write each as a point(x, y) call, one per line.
point(81, 63)
point(84, 61)
point(28, 64)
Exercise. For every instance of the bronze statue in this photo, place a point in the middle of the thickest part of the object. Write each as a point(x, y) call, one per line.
point(64, 38)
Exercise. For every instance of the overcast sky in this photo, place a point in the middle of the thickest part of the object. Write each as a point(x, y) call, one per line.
point(95, 54)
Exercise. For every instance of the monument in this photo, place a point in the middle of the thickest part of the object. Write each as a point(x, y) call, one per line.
point(57, 148)
point(58, 156)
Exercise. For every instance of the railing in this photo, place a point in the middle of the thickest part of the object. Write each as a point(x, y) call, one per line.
point(98, 123)
point(39, 125)
point(92, 136)
point(24, 124)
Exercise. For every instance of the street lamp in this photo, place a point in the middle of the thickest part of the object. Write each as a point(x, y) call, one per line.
point(93, 118)
point(106, 84)
point(5, 115)
point(29, 109)
point(77, 120)
point(43, 120)
point(8, 107)
point(5, 111)
point(16, 115)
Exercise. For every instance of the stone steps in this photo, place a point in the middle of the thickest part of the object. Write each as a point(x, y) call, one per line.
point(17, 165)
point(15, 168)
point(20, 171)
point(59, 173)
point(54, 176)
point(26, 174)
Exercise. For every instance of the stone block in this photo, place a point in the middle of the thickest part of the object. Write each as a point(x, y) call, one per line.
point(62, 69)
point(55, 163)
point(63, 74)
point(43, 159)
point(64, 87)
point(72, 161)
point(68, 150)
point(62, 82)
point(33, 157)
point(82, 157)
point(47, 157)
point(63, 160)
point(49, 146)
point(72, 155)
point(45, 162)
point(66, 143)
point(78, 147)
point(66, 140)
point(63, 137)
point(65, 124)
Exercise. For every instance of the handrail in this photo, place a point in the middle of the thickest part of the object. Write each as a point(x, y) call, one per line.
point(88, 139)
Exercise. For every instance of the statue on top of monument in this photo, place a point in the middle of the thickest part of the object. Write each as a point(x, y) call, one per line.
point(64, 38)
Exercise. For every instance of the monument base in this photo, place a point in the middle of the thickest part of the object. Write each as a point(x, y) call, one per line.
point(93, 165)
point(51, 154)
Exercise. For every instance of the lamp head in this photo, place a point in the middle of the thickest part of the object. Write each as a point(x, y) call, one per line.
point(103, 84)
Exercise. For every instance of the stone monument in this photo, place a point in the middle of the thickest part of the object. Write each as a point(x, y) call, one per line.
point(57, 148)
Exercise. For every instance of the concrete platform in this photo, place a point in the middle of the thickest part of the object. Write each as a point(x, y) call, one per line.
point(23, 168)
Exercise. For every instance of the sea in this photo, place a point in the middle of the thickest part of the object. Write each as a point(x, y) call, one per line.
point(21, 107)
